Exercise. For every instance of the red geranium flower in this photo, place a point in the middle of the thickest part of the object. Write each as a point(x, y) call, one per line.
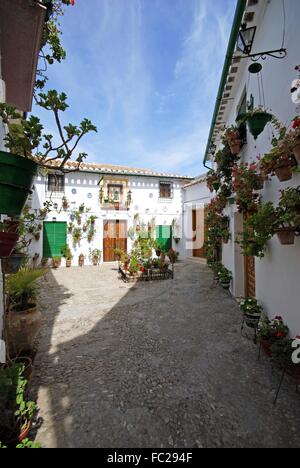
point(296, 123)
point(280, 335)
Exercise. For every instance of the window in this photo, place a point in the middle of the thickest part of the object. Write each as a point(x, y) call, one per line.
point(56, 183)
point(165, 190)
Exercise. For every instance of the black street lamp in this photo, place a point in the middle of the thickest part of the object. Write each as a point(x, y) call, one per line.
point(246, 39)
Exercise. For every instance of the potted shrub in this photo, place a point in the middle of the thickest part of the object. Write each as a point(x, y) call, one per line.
point(70, 228)
point(67, 254)
point(134, 266)
point(16, 411)
point(225, 277)
point(77, 235)
point(173, 256)
point(81, 208)
point(56, 261)
point(95, 256)
point(157, 248)
point(282, 354)
point(293, 138)
point(232, 137)
point(213, 180)
point(118, 254)
point(91, 234)
point(270, 331)
point(280, 162)
point(24, 318)
point(65, 203)
point(288, 222)
point(44, 262)
point(81, 260)
point(256, 119)
point(246, 181)
point(252, 311)
point(92, 219)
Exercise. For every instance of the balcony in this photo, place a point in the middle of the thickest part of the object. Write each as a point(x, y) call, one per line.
point(114, 206)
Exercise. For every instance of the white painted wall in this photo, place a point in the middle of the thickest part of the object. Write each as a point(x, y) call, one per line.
point(278, 274)
point(145, 201)
point(195, 197)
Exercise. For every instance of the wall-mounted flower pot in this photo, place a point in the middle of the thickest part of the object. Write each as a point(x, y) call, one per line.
point(296, 151)
point(22, 329)
point(235, 147)
point(81, 260)
point(16, 180)
point(257, 123)
point(13, 263)
point(286, 236)
point(284, 172)
point(7, 243)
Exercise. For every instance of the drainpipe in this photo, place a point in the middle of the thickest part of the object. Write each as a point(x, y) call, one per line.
point(238, 17)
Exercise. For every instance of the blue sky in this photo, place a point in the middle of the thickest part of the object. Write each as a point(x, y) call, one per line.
point(146, 72)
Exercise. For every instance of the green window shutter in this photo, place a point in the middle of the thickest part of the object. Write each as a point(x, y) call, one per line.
point(55, 237)
point(164, 237)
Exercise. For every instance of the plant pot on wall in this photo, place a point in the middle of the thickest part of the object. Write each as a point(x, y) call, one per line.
point(286, 236)
point(257, 122)
point(284, 172)
point(16, 179)
point(7, 243)
point(235, 147)
point(22, 329)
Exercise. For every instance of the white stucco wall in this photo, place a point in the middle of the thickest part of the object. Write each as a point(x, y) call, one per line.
point(195, 197)
point(278, 274)
point(145, 202)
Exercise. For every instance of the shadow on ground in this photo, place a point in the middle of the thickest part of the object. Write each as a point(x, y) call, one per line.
point(158, 364)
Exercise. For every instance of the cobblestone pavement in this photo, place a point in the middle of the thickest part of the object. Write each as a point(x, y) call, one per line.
point(157, 364)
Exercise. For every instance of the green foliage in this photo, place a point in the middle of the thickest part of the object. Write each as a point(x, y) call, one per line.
point(224, 275)
point(250, 306)
point(22, 287)
point(272, 330)
point(66, 252)
point(77, 235)
point(27, 139)
point(28, 444)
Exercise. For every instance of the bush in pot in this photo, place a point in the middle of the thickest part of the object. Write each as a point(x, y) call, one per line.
point(67, 254)
point(24, 318)
point(225, 277)
point(282, 354)
point(246, 181)
point(252, 311)
point(232, 137)
point(56, 262)
point(270, 331)
point(95, 255)
point(288, 222)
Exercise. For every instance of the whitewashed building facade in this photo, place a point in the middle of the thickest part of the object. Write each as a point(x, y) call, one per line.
point(277, 275)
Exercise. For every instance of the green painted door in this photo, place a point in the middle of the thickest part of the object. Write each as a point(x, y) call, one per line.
point(55, 237)
point(164, 237)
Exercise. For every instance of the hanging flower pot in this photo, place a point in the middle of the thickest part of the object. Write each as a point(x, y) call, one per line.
point(284, 172)
point(286, 236)
point(7, 243)
point(216, 186)
point(257, 123)
point(16, 179)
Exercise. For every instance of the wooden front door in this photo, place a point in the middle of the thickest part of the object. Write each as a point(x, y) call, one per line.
point(250, 282)
point(115, 236)
point(199, 232)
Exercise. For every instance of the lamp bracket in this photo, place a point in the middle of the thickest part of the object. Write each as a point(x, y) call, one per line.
point(277, 54)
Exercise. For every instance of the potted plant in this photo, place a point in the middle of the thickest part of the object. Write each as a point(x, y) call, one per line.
point(280, 162)
point(91, 234)
point(56, 261)
point(225, 277)
point(134, 266)
point(157, 248)
point(77, 235)
point(16, 411)
point(173, 256)
point(81, 260)
point(246, 183)
point(78, 216)
point(95, 255)
point(270, 331)
point(24, 318)
point(232, 137)
point(8, 239)
point(282, 354)
point(92, 219)
point(44, 262)
point(70, 228)
point(256, 118)
point(118, 254)
point(213, 180)
point(67, 254)
point(252, 311)
point(81, 208)
point(293, 138)
point(65, 203)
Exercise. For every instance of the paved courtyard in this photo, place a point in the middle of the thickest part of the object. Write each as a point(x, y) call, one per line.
point(157, 364)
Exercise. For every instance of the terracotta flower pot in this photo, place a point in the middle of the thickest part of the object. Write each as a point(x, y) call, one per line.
point(56, 263)
point(68, 263)
point(296, 151)
point(286, 236)
point(7, 243)
point(284, 172)
point(235, 147)
point(22, 329)
point(81, 261)
point(95, 261)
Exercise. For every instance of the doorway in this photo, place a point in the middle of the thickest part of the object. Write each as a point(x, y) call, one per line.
point(198, 227)
point(114, 237)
